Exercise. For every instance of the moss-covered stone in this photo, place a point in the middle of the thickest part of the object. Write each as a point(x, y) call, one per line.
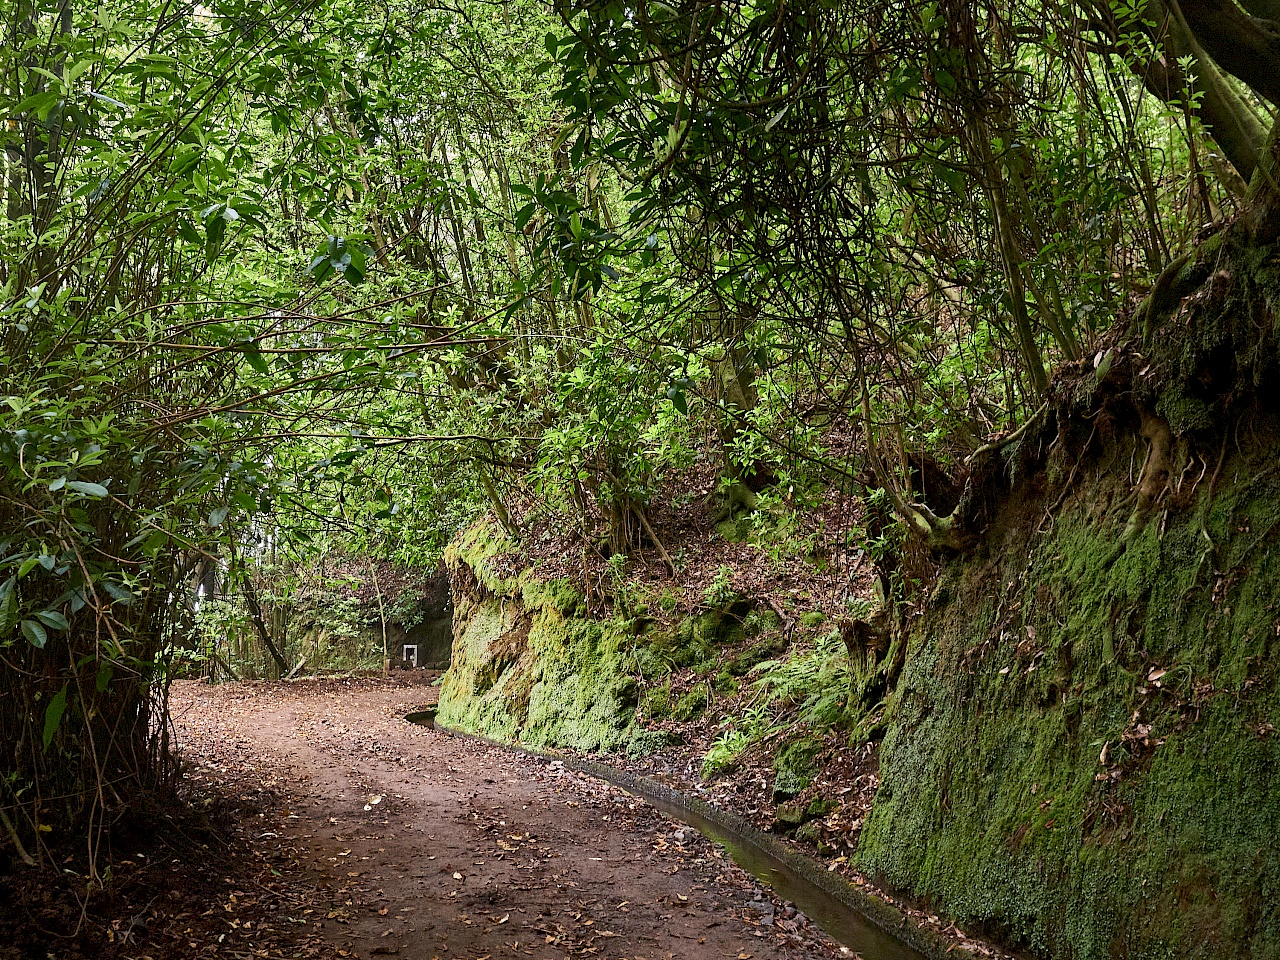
point(809, 834)
point(794, 767)
point(656, 703)
point(735, 529)
point(759, 621)
point(526, 665)
point(1081, 749)
point(529, 665)
point(755, 654)
point(819, 808)
point(788, 817)
point(692, 704)
point(726, 683)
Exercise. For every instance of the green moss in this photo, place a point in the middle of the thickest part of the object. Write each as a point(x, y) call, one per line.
point(529, 665)
point(759, 621)
point(726, 683)
point(819, 808)
point(1185, 414)
point(994, 804)
point(755, 654)
point(559, 594)
point(695, 642)
point(735, 529)
point(794, 767)
point(645, 742)
point(656, 703)
point(788, 817)
point(692, 704)
point(812, 619)
point(808, 834)
point(474, 547)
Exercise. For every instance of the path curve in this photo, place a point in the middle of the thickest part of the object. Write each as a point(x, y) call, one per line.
point(440, 848)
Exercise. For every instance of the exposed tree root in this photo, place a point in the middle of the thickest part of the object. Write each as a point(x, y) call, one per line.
point(1153, 482)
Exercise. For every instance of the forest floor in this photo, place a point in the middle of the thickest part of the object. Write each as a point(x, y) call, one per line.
point(362, 835)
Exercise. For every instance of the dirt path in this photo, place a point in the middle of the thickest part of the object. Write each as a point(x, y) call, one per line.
point(423, 846)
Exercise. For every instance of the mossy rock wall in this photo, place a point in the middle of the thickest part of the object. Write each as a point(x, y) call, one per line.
point(529, 665)
point(1084, 753)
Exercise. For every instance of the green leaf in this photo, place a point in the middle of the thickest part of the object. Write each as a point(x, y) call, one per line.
point(53, 715)
point(524, 214)
point(218, 514)
point(185, 160)
point(256, 359)
point(87, 489)
point(320, 268)
point(215, 229)
point(8, 605)
point(34, 633)
point(118, 593)
point(952, 178)
point(57, 484)
point(53, 620)
point(40, 104)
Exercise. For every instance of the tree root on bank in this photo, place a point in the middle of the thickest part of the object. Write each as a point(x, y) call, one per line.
point(956, 531)
point(1156, 471)
point(737, 496)
point(1152, 482)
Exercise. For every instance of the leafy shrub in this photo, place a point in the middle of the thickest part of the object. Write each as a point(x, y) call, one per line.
point(720, 592)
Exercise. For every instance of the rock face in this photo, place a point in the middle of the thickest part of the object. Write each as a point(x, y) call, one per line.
point(527, 665)
point(1083, 748)
point(530, 665)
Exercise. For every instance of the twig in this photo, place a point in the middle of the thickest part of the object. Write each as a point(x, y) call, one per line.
point(17, 841)
point(644, 522)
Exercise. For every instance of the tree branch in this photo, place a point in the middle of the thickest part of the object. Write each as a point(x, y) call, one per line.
point(1247, 47)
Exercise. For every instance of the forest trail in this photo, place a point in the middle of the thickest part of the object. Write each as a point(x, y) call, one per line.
point(429, 847)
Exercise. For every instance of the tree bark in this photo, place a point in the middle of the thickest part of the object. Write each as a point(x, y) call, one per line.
point(1247, 47)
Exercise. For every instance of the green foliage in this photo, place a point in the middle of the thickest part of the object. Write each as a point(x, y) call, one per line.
point(573, 272)
point(720, 592)
point(738, 734)
point(812, 684)
point(692, 704)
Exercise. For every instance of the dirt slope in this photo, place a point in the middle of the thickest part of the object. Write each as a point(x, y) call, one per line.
point(420, 845)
